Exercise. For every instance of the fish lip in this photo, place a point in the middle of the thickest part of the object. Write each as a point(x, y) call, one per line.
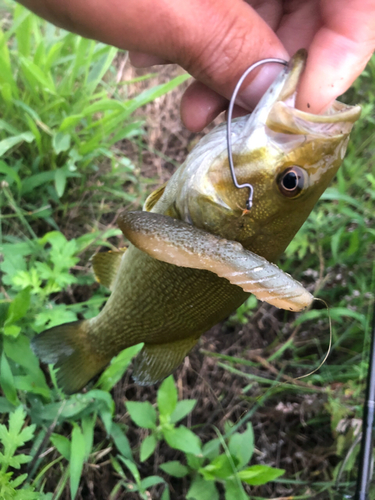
point(283, 117)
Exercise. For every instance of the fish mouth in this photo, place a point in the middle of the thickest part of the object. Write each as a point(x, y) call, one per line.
point(283, 117)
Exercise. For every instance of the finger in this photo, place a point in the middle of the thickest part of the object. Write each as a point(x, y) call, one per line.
point(271, 11)
point(239, 38)
point(338, 53)
point(200, 105)
point(237, 112)
point(299, 24)
point(215, 40)
point(143, 60)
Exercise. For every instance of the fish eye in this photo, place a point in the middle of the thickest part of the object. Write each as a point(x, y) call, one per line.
point(291, 181)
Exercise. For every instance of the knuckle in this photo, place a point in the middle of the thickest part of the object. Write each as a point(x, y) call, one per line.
point(228, 48)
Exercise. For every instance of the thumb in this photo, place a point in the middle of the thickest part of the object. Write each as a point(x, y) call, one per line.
point(338, 53)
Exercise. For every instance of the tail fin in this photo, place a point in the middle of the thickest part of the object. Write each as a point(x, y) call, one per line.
point(68, 348)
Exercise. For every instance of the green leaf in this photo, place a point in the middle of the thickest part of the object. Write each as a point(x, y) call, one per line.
point(142, 414)
point(61, 142)
point(95, 399)
point(153, 93)
point(23, 33)
point(7, 381)
point(36, 76)
point(13, 438)
point(220, 468)
point(165, 495)
point(182, 409)
point(104, 105)
point(18, 307)
point(70, 122)
point(4, 306)
point(121, 441)
point(34, 181)
point(234, 490)
point(202, 490)
point(150, 481)
point(12, 330)
point(99, 69)
point(336, 313)
point(106, 417)
point(241, 446)
point(175, 468)
point(19, 350)
point(132, 467)
point(10, 142)
point(62, 445)
point(26, 384)
point(8, 127)
point(182, 438)
point(10, 173)
point(333, 194)
point(88, 424)
point(117, 367)
point(77, 458)
point(194, 461)
point(60, 181)
point(147, 447)
point(211, 449)
point(167, 397)
point(5, 406)
point(259, 474)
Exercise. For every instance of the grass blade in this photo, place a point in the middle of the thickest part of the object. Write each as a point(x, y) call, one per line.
point(77, 458)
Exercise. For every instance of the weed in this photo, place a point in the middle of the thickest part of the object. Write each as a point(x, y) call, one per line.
point(11, 439)
point(222, 460)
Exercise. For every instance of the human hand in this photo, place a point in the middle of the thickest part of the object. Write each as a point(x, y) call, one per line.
point(216, 40)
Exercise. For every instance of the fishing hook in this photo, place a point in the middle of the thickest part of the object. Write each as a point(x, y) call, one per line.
point(229, 122)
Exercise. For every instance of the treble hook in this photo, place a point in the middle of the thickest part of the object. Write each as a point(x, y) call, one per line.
point(229, 121)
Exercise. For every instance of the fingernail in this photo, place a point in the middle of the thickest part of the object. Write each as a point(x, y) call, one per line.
point(249, 97)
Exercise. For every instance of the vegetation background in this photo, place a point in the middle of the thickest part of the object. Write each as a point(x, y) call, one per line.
point(82, 137)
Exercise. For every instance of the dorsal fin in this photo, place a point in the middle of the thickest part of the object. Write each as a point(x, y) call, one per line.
point(105, 266)
point(154, 197)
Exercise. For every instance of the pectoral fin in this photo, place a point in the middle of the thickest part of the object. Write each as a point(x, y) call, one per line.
point(154, 197)
point(156, 361)
point(176, 242)
point(106, 265)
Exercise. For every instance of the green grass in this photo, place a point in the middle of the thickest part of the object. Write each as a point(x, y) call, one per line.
point(62, 119)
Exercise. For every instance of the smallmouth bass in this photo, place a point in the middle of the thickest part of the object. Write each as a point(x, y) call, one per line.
point(196, 253)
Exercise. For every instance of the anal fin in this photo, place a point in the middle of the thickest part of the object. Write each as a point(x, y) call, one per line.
point(106, 265)
point(156, 361)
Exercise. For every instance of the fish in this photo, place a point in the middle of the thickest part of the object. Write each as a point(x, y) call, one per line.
point(196, 252)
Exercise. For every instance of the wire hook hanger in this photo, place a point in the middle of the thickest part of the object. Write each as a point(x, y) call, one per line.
point(249, 201)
